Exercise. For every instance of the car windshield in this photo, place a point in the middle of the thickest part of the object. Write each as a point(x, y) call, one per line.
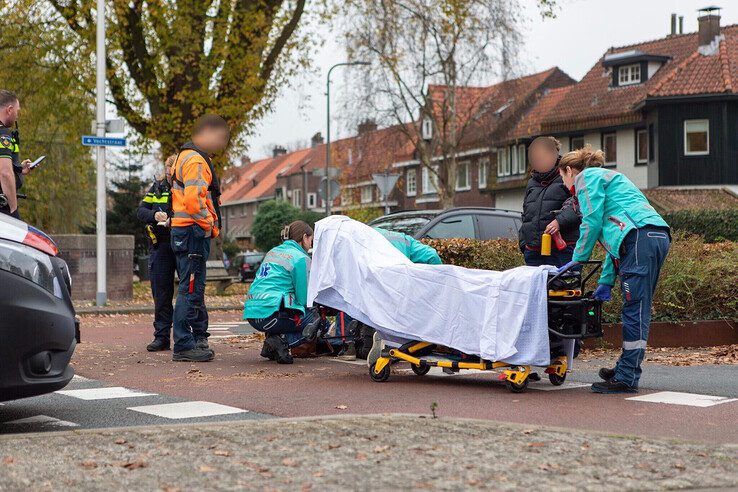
point(407, 225)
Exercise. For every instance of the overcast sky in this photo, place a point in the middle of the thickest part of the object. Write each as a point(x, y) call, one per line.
point(573, 41)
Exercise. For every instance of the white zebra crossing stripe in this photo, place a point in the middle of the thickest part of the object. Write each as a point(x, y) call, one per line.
point(187, 410)
point(104, 393)
point(43, 420)
point(688, 399)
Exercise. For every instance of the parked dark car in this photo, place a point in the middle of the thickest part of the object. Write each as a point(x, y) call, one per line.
point(38, 326)
point(464, 222)
point(247, 264)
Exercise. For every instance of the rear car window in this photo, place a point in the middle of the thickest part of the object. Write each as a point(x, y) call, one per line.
point(498, 226)
point(454, 226)
point(406, 225)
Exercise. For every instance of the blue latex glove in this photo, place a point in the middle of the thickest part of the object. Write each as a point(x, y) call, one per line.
point(603, 292)
point(568, 266)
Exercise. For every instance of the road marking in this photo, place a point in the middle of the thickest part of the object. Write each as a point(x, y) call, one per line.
point(44, 420)
point(688, 399)
point(187, 410)
point(357, 362)
point(104, 393)
point(77, 377)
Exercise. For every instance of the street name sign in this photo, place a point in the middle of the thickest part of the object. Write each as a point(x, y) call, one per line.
point(92, 141)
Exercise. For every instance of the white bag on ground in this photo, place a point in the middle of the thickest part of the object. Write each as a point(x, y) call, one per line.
point(499, 316)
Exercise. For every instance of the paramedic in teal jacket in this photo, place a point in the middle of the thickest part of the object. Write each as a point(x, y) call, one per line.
point(636, 238)
point(276, 300)
point(415, 251)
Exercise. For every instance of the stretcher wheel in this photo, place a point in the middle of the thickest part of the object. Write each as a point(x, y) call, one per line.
point(383, 375)
point(420, 370)
point(556, 380)
point(516, 387)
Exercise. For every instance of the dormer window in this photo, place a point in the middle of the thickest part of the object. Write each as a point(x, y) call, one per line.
point(629, 74)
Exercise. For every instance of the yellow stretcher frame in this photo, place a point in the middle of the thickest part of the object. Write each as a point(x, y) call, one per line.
point(516, 377)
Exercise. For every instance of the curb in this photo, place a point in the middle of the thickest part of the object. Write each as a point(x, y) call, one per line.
point(144, 309)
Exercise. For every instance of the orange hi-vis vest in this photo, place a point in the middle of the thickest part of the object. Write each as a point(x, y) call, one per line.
point(192, 203)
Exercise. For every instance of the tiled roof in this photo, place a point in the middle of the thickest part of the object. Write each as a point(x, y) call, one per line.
point(672, 200)
point(593, 103)
point(491, 111)
point(530, 124)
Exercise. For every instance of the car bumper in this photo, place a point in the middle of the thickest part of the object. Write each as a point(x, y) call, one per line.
point(37, 331)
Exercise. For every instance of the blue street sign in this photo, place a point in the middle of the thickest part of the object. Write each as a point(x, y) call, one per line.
point(92, 141)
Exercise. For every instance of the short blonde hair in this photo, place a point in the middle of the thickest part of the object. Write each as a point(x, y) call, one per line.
point(582, 158)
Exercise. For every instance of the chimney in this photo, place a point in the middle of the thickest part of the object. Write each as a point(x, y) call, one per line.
point(681, 24)
point(367, 126)
point(709, 25)
point(673, 24)
point(278, 150)
point(245, 160)
point(316, 140)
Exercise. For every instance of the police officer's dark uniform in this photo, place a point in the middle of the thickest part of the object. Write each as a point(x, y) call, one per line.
point(9, 148)
point(162, 262)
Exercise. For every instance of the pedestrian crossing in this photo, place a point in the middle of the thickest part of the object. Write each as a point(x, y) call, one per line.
point(227, 330)
point(87, 403)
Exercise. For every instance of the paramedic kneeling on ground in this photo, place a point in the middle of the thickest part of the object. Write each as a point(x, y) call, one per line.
point(636, 239)
point(276, 300)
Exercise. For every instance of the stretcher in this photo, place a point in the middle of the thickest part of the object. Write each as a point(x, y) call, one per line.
point(573, 314)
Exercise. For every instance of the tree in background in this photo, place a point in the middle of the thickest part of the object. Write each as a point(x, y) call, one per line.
point(172, 61)
point(56, 110)
point(423, 53)
point(125, 197)
point(271, 219)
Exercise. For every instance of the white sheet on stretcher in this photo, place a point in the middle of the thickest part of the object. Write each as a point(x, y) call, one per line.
point(499, 316)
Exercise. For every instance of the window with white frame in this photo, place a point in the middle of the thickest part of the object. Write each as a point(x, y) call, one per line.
point(513, 150)
point(503, 162)
point(522, 161)
point(696, 137)
point(411, 182)
point(641, 146)
point(366, 194)
point(483, 165)
point(312, 200)
point(629, 74)
point(430, 181)
point(463, 181)
point(350, 157)
point(609, 147)
point(297, 198)
point(427, 129)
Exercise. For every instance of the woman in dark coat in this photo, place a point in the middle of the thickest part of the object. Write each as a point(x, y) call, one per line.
point(548, 207)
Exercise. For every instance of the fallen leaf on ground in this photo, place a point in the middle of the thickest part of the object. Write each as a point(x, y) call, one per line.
point(219, 452)
point(88, 464)
point(8, 460)
point(206, 469)
point(132, 465)
point(289, 462)
point(120, 440)
point(341, 407)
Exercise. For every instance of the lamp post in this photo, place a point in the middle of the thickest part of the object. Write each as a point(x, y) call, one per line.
point(328, 129)
point(102, 292)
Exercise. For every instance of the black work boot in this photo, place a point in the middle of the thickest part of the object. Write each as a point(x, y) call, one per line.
point(202, 343)
point(311, 329)
point(193, 355)
point(612, 386)
point(281, 349)
point(606, 373)
point(158, 345)
point(268, 352)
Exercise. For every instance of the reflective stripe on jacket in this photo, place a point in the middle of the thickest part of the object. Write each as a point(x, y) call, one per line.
point(191, 201)
point(611, 207)
point(415, 251)
point(281, 281)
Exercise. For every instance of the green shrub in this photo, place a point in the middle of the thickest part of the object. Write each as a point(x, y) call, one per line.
point(364, 214)
point(698, 280)
point(713, 225)
point(271, 219)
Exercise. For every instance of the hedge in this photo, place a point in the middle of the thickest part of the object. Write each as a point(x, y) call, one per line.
point(698, 280)
point(713, 225)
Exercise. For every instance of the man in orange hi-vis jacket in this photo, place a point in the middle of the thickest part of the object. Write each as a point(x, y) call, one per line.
point(195, 221)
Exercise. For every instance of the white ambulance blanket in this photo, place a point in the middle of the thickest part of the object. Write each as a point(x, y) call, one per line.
point(499, 316)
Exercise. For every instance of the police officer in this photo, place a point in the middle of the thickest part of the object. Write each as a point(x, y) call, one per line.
point(12, 169)
point(155, 211)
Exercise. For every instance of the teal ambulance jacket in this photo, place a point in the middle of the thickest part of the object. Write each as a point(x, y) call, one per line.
point(281, 279)
point(611, 207)
point(415, 251)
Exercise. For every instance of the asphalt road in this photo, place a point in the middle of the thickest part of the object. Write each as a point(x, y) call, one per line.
point(112, 355)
